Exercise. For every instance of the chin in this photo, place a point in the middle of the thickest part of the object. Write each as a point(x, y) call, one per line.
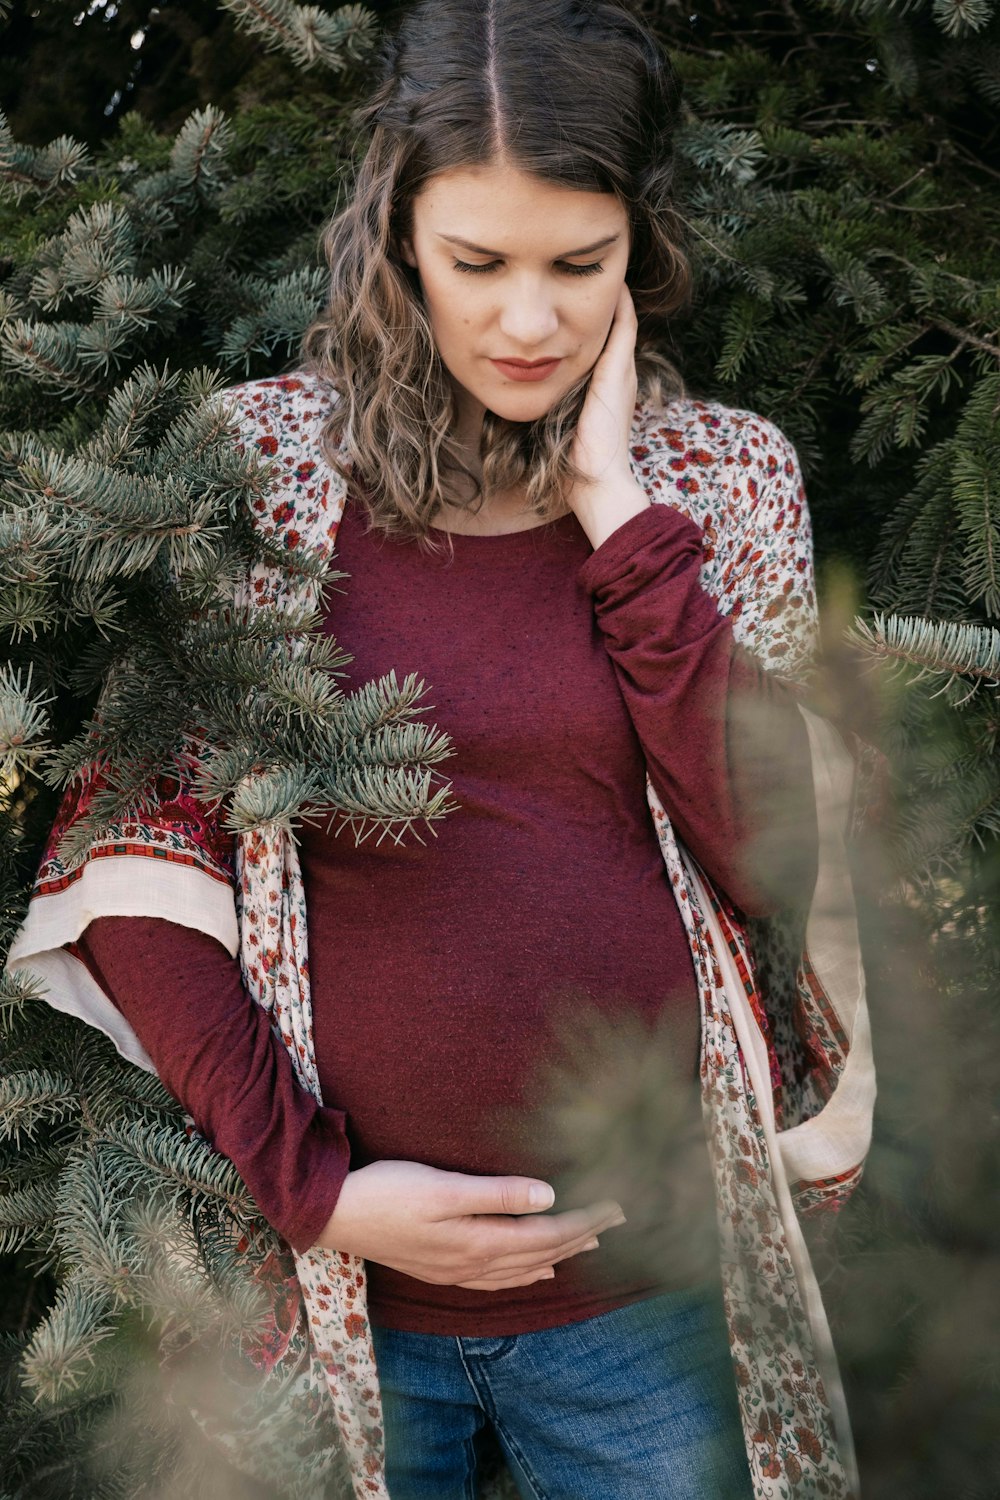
point(526, 406)
point(522, 411)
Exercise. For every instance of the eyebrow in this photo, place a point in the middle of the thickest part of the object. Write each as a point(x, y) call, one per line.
point(453, 239)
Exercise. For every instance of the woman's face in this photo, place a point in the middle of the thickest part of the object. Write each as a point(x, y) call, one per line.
point(549, 266)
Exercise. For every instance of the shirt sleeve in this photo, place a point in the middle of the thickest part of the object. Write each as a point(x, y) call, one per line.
point(215, 1051)
point(726, 747)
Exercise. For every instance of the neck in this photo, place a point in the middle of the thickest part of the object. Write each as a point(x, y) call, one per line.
point(500, 513)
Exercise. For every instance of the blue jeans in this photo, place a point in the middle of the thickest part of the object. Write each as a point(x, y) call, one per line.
point(632, 1404)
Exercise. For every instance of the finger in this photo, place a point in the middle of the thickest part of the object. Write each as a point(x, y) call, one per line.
point(554, 1232)
point(558, 1232)
point(494, 1284)
point(462, 1193)
point(617, 360)
point(626, 318)
point(527, 1267)
point(524, 1259)
point(528, 1263)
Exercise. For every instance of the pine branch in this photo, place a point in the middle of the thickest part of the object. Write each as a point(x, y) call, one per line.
point(278, 309)
point(47, 353)
point(146, 1154)
point(403, 799)
point(175, 1284)
point(956, 17)
point(268, 801)
point(199, 157)
point(132, 417)
point(28, 1167)
point(966, 338)
point(26, 1214)
point(38, 171)
point(975, 483)
point(734, 153)
point(24, 723)
point(29, 1098)
point(60, 1360)
point(307, 34)
point(933, 835)
point(934, 649)
point(974, 488)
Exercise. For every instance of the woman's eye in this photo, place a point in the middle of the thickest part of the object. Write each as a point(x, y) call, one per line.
point(591, 270)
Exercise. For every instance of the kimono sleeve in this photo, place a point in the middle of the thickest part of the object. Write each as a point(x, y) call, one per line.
point(758, 556)
point(173, 861)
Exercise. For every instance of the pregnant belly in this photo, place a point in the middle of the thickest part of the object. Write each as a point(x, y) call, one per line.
point(529, 1084)
point(442, 1006)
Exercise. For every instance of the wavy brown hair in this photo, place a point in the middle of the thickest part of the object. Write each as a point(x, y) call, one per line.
point(576, 92)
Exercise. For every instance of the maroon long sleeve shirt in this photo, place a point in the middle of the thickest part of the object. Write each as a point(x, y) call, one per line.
point(447, 975)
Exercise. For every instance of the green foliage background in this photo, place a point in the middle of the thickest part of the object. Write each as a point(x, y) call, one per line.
point(159, 206)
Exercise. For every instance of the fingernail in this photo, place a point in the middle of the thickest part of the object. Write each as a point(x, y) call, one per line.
point(615, 1222)
point(547, 1276)
point(592, 1245)
point(540, 1196)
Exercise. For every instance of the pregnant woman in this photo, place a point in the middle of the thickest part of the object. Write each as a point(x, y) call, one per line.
point(608, 586)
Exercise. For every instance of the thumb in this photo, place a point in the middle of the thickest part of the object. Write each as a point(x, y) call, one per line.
point(505, 1195)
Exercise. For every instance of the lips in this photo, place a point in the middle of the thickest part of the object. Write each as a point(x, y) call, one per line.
point(520, 369)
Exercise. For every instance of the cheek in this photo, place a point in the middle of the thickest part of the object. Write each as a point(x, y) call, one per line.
point(453, 323)
point(453, 314)
point(440, 312)
point(595, 311)
point(598, 328)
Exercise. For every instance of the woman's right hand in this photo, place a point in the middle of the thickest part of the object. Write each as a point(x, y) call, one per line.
point(456, 1229)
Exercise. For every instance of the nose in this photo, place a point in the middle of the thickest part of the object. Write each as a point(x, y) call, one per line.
point(528, 319)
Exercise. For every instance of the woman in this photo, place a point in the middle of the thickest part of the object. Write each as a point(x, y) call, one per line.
point(576, 557)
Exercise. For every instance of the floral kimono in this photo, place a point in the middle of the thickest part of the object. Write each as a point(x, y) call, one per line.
point(786, 1066)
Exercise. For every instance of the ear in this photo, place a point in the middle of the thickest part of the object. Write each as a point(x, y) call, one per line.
point(406, 252)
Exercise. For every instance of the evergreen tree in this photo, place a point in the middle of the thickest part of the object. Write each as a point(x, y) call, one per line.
point(842, 200)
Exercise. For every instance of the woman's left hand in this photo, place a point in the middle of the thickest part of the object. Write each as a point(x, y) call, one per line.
point(600, 449)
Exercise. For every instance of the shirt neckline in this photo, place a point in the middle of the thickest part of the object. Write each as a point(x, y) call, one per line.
point(562, 523)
